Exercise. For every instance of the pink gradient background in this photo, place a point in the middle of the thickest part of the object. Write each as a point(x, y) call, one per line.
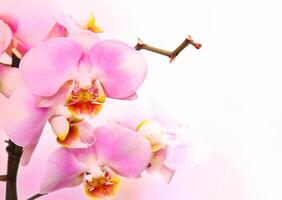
point(229, 93)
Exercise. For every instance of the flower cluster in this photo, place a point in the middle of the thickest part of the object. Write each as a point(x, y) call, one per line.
point(85, 88)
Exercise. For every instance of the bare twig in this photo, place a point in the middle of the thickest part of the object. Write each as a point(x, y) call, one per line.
point(36, 196)
point(171, 54)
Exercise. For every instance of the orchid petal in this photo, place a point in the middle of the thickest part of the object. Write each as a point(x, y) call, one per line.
point(120, 68)
point(5, 36)
point(80, 135)
point(66, 22)
point(10, 79)
point(27, 153)
point(55, 60)
point(65, 168)
point(123, 150)
point(157, 166)
point(86, 131)
point(60, 126)
point(85, 38)
point(186, 152)
point(166, 173)
point(59, 98)
point(24, 121)
point(35, 23)
point(3, 103)
point(56, 31)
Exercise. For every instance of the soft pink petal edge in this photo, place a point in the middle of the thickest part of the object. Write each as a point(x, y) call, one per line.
point(120, 68)
point(24, 121)
point(65, 168)
point(10, 79)
point(5, 36)
point(48, 66)
point(123, 150)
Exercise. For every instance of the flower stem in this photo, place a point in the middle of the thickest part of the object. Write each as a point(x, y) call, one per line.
point(14, 156)
point(36, 196)
point(171, 54)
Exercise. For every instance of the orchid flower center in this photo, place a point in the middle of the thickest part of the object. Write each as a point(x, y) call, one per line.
point(153, 132)
point(86, 101)
point(104, 185)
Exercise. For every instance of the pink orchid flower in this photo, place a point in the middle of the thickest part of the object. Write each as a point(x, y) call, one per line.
point(24, 24)
point(81, 71)
point(172, 147)
point(117, 151)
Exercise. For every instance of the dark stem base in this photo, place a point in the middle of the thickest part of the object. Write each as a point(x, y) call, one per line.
point(14, 156)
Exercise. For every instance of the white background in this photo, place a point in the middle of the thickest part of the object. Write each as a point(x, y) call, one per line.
point(229, 91)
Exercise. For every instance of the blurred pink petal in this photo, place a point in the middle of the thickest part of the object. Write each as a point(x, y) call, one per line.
point(27, 153)
point(123, 150)
point(166, 173)
point(10, 79)
point(31, 22)
point(186, 152)
point(5, 36)
point(173, 147)
point(3, 103)
point(85, 38)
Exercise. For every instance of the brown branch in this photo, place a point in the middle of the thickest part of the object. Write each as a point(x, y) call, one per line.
point(16, 58)
point(3, 178)
point(36, 196)
point(171, 54)
point(14, 156)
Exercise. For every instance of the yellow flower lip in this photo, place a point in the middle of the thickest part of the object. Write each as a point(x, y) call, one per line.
point(86, 101)
point(91, 24)
point(102, 186)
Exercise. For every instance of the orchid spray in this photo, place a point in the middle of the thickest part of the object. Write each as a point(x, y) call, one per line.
point(60, 72)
